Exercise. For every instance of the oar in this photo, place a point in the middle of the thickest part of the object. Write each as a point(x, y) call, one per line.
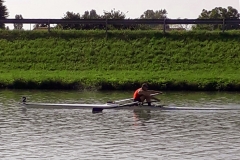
point(123, 100)
point(97, 110)
point(131, 103)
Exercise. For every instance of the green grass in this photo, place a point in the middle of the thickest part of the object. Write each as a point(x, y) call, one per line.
point(198, 60)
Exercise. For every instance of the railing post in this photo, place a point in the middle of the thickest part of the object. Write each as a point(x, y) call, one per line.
point(223, 27)
point(48, 25)
point(106, 28)
point(164, 26)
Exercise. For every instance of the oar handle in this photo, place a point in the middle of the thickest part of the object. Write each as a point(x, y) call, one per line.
point(123, 100)
point(155, 94)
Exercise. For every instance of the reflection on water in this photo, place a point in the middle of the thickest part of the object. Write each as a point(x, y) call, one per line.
point(119, 134)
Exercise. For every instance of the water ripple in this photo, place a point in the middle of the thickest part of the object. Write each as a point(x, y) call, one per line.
point(122, 134)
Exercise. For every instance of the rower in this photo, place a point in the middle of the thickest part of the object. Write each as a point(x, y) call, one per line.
point(143, 94)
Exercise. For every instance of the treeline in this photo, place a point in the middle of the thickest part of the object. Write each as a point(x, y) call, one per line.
point(215, 13)
point(113, 14)
point(218, 13)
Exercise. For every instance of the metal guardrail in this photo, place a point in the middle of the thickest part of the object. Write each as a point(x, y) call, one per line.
point(123, 21)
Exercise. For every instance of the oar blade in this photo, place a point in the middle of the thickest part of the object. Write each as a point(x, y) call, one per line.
point(97, 110)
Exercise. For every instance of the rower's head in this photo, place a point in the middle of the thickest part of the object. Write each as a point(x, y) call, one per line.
point(144, 86)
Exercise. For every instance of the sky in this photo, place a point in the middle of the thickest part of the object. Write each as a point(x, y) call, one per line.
point(133, 8)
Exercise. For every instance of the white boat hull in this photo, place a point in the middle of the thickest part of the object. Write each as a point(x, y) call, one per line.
point(113, 106)
point(68, 106)
point(110, 105)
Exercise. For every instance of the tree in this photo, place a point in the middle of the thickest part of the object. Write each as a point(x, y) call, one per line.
point(218, 13)
point(3, 13)
point(90, 15)
point(158, 14)
point(70, 16)
point(18, 26)
point(113, 14)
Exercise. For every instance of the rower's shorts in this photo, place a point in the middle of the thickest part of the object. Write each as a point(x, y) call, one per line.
point(137, 99)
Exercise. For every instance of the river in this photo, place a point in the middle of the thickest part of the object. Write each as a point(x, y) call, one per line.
point(69, 134)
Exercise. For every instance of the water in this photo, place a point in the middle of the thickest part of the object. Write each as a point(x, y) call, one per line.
point(119, 134)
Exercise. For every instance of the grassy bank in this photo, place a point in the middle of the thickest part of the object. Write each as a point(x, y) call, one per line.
point(85, 59)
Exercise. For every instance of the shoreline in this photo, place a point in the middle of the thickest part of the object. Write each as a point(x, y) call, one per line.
point(110, 87)
point(121, 81)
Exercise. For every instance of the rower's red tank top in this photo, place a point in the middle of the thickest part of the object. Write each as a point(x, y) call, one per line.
point(136, 95)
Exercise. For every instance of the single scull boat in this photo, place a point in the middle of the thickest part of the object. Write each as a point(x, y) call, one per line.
point(111, 105)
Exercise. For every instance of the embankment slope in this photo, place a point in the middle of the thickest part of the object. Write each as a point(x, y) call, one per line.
point(85, 59)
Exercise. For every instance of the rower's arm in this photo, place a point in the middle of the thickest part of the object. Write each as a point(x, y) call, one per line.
point(145, 93)
point(153, 92)
point(149, 92)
